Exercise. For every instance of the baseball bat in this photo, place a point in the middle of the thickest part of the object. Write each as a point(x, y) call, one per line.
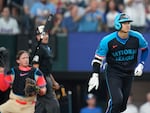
point(49, 23)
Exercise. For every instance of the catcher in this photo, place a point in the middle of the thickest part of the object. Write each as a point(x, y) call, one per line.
point(26, 82)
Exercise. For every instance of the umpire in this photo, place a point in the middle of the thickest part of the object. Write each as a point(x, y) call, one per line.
point(43, 60)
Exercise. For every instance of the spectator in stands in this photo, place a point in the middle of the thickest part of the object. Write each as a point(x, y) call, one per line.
point(120, 5)
point(131, 108)
point(91, 105)
point(92, 19)
point(81, 3)
point(15, 2)
point(111, 13)
point(15, 8)
point(57, 25)
point(55, 2)
point(29, 3)
point(8, 24)
point(27, 23)
point(41, 10)
point(102, 6)
point(70, 22)
point(136, 10)
point(145, 108)
point(1, 5)
point(148, 17)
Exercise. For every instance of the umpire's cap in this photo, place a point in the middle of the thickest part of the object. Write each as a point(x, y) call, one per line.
point(121, 18)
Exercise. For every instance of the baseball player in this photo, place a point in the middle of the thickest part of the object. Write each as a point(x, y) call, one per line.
point(18, 102)
point(43, 60)
point(120, 50)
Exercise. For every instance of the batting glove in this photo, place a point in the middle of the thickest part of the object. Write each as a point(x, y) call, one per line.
point(139, 70)
point(93, 82)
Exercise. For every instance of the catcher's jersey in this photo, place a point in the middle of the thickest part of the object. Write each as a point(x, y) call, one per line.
point(17, 77)
point(121, 54)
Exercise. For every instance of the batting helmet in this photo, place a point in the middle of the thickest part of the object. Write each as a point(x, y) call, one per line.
point(40, 29)
point(121, 18)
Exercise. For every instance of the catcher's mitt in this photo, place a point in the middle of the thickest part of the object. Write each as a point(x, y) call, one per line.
point(31, 88)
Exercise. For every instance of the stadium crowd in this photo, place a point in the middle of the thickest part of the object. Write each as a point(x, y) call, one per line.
point(71, 15)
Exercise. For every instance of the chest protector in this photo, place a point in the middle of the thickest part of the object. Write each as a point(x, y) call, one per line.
point(19, 80)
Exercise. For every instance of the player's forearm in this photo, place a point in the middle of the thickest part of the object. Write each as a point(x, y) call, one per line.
point(52, 78)
point(96, 63)
point(96, 67)
point(144, 55)
point(55, 84)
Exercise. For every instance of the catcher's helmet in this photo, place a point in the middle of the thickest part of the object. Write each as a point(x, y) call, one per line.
point(121, 18)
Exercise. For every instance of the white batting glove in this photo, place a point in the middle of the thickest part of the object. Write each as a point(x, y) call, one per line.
point(139, 70)
point(93, 82)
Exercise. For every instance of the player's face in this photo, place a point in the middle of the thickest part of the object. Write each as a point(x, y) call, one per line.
point(126, 27)
point(23, 60)
point(91, 102)
point(45, 38)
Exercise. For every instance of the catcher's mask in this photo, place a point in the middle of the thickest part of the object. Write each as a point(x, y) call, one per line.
point(121, 18)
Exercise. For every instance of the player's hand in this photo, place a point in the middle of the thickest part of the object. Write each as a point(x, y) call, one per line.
point(56, 86)
point(139, 70)
point(93, 82)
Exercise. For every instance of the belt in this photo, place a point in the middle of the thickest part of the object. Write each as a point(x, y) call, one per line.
point(24, 102)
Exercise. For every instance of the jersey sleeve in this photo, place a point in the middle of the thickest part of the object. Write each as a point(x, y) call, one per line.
point(102, 48)
point(10, 76)
point(39, 77)
point(142, 42)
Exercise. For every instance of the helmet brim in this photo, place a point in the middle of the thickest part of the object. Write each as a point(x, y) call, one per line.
point(128, 20)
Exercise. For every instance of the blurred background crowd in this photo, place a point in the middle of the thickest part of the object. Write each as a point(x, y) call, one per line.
point(22, 16)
